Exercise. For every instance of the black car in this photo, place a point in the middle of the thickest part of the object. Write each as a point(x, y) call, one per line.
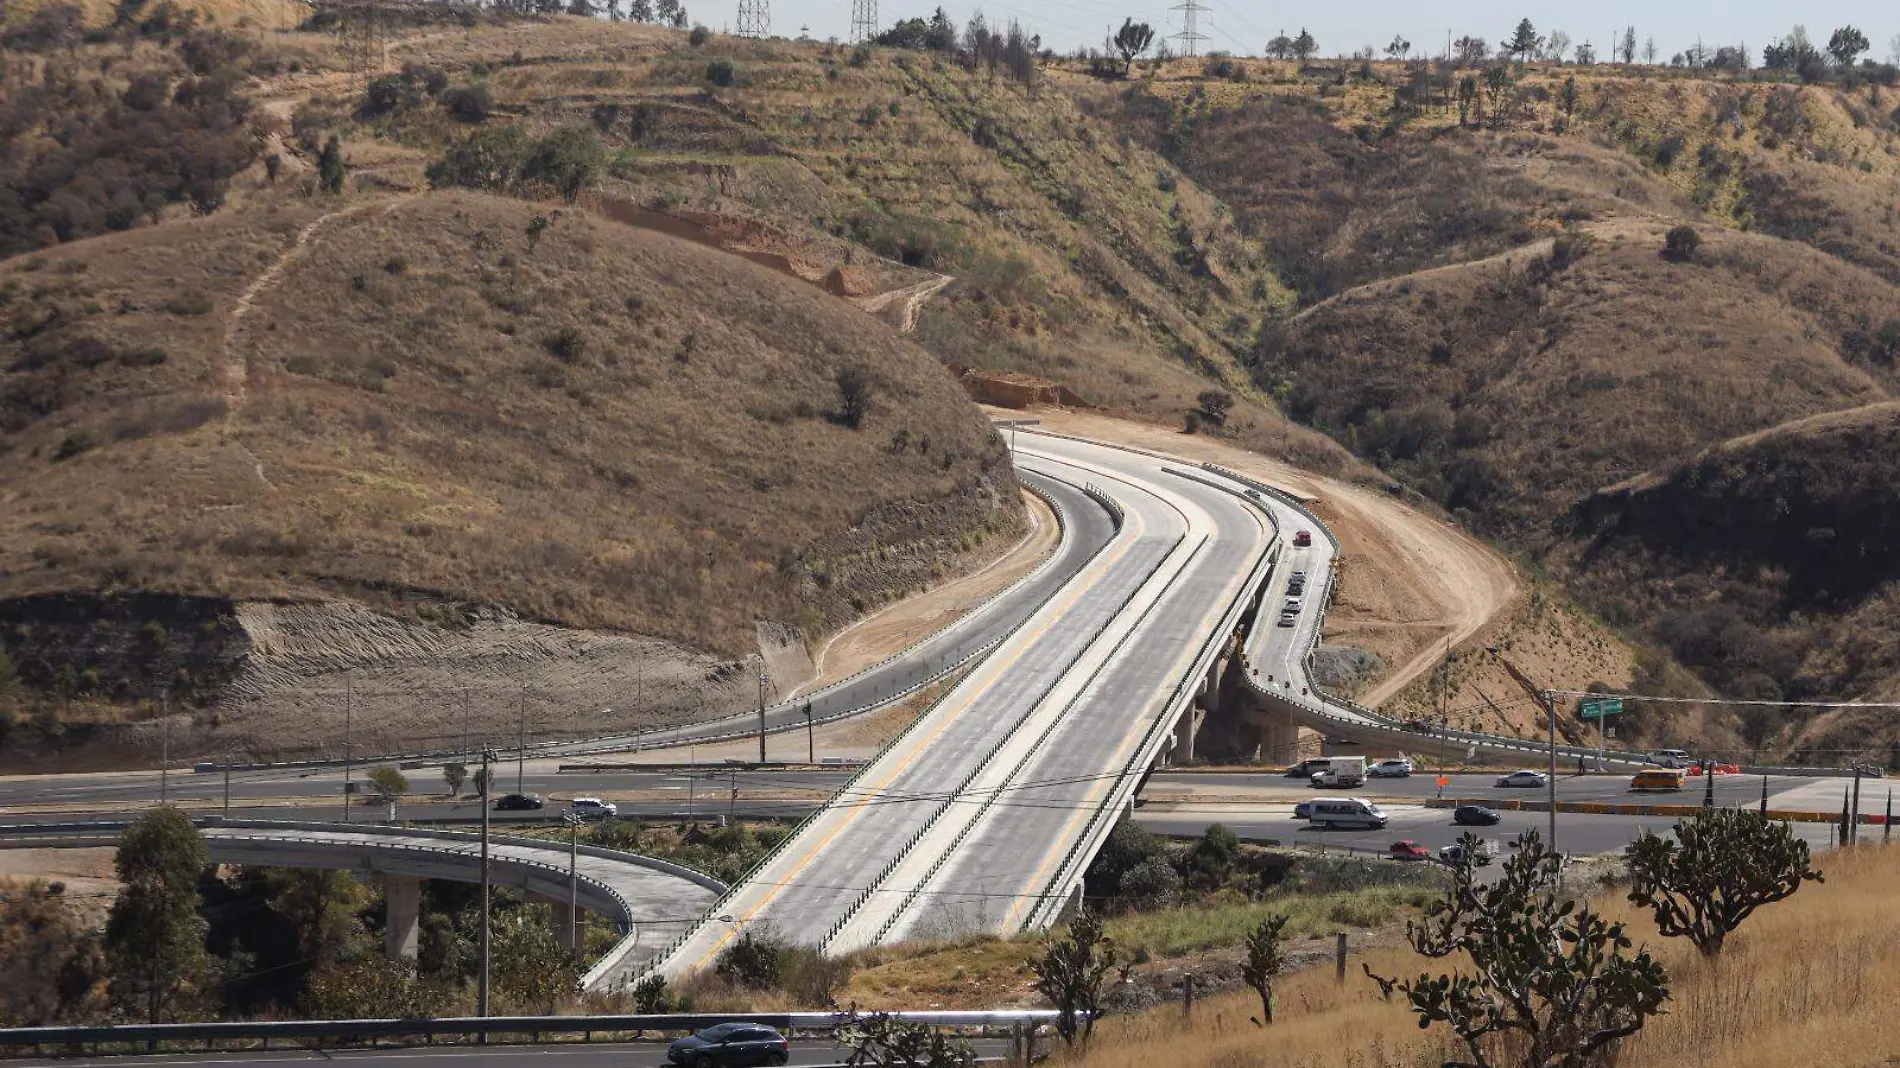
point(1475, 816)
point(514, 802)
point(1305, 768)
point(730, 1043)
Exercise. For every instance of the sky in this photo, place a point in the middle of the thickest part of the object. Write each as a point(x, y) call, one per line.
point(1243, 27)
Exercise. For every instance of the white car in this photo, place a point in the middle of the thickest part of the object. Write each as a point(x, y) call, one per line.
point(1525, 779)
point(1399, 768)
point(592, 808)
point(1287, 619)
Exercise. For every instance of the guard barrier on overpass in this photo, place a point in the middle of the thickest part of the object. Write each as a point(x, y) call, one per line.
point(1628, 808)
point(137, 1037)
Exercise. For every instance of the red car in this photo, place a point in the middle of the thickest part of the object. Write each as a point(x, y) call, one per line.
point(1303, 538)
point(1408, 850)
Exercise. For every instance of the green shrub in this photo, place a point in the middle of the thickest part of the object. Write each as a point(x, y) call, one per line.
point(720, 73)
point(1681, 244)
point(699, 36)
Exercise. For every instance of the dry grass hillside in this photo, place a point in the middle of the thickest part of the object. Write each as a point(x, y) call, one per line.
point(1074, 252)
point(1769, 560)
point(1813, 972)
point(1487, 315)
point(411, 404)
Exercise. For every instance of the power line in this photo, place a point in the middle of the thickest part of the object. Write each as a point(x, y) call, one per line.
point(863, 20)
point(1726, 701)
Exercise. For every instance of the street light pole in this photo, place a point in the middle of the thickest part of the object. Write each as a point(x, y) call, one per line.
point(811, 746)
point(164, 746)
point(1550, 781)
point(349, 709)
point(521, 738)
point(481, 996)
point(573, 880)
point(227, 787)
point(761, 715)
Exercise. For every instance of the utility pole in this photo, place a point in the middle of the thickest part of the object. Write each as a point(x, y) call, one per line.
point(349, 710)
point(1854, 828)
point(732, 794)
point(811, 746)
point(164, 745)
point(573, 880)
point(521, 738)
point(227, 787)
point(762, 681)
point(1708, 783)
point(692, 776)
point(1549, 705)
point(481, 996)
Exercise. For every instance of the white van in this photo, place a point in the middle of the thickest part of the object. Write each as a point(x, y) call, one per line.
point(1345, 812)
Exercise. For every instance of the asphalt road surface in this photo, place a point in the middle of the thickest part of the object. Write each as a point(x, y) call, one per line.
point(1432, 828)
point(1423, 783)
point(604, 1055)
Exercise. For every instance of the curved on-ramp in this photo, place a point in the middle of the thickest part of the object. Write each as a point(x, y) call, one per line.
point(650, 900)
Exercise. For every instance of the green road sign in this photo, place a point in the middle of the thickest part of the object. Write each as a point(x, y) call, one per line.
point(1601, 707)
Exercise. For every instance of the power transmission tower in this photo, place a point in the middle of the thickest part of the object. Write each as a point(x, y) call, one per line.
point(863, 20)
point(755, 18)
point(361, 27)
point(1190, 35)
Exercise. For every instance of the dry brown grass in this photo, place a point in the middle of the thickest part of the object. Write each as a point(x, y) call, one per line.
point(613, 430)
point(1811, 974)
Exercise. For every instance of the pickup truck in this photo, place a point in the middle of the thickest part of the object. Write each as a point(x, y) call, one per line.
point(1454, 854)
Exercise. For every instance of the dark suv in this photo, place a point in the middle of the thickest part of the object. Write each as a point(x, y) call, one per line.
point(1305, 768)
point(730, 1044)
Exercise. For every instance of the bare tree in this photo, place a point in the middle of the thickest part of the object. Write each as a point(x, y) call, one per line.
point(1649, 50)
point(1264, 962)
point(1629, 46)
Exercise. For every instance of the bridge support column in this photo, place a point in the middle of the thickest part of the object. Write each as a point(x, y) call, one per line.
point(563, 915)
point(402, 905)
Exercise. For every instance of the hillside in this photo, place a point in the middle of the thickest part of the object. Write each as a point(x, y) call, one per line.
point(1769, 560)
point(1073, 253)
point(1487, 314)
point(412, 405)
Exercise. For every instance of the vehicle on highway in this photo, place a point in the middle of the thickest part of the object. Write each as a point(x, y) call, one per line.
point(1417, 726)
point(517, 802)
point(1657, 780)
point(1521, 779)
point(730, 1044)
point(1475, 816)
point(1341, 772)
point(592, 808)
point(1345, 812)
point(1396, 768)
point(1454, 854)
point(1292, 605)
point(1670, 758)
point(1288, 619)
point(1305, 768)
point(1303, 538)
point(1406, 849)
point(1303, 810)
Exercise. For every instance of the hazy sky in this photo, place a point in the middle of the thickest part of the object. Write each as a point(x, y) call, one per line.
point(1244, 27)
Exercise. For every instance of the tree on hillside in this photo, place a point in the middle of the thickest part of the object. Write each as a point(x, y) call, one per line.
point(1470, 51)
point(1544, 977)
point(1214, 405)
point(1556, 46)
point(1586, 54)
point(1649, 50)
point(331, 170)
point(484, 777)
point(1073, 968)
point(155, 939)
point(854, 395)
point(670, 13)
point(1681, 243)
point(1722, 865)
point(1280, 46)
point(1629, 45)
point(1567, 97)
point(1304, 46)
point(1264, 962)
point(1399, 48)
point(569, 159)
point(1893, 50)
point(1847, 44)
point(1525, 42)
point(488, 159)
point(531, 966)
point(323, 907)
point(1131, 41)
